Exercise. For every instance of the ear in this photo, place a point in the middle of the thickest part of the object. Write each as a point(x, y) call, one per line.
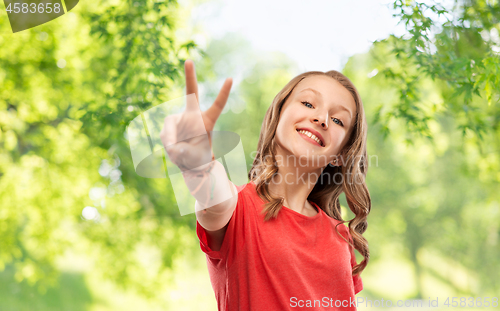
point(335, 161)
point(342, 158)
point(339, 160)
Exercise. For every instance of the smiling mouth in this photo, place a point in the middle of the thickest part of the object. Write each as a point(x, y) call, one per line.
point(310, 137)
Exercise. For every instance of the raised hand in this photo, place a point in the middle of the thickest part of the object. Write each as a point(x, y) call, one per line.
point(185, 136)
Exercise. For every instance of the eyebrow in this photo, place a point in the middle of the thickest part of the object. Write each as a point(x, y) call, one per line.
point(320, 96)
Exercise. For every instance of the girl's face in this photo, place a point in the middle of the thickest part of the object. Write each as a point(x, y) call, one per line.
point(321, 106)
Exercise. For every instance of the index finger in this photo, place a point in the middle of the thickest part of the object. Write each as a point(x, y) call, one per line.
point(191, 85)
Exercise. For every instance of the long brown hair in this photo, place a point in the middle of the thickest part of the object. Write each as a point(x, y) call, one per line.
point(326, 191)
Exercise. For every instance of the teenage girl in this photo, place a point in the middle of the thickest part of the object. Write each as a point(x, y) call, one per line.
point(279, 242)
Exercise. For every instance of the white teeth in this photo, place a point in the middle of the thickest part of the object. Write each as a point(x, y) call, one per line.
point(311, 135)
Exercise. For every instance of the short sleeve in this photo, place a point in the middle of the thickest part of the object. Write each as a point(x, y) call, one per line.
point(356, 279)
point(358, 283)
point(229, 236)
point(202, 236)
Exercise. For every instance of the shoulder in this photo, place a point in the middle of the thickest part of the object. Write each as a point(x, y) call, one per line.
point(247, 195)
point(340, 227)
point(249, 190)
point(245, 189)
point(334, 224)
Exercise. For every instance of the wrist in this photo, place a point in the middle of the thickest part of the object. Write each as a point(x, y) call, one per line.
point(199, 169)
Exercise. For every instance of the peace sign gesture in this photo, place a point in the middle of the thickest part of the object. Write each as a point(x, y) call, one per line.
point(185, 136)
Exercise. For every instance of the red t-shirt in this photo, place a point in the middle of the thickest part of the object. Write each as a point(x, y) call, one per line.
point(293, 262)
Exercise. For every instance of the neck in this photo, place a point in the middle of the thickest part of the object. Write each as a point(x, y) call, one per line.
point(294, 182)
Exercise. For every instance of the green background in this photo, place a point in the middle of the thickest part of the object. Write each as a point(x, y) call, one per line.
point(69, 88)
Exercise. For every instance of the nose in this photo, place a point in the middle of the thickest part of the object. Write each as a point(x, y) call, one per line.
point(323, 123)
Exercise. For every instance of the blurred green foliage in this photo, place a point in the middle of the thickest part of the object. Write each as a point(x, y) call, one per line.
point(70, 293)
point(70, 87)
point(459, 49)
point(434, 201)
point(433, 95)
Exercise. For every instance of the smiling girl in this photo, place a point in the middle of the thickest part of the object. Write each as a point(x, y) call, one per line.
point(279, 242)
